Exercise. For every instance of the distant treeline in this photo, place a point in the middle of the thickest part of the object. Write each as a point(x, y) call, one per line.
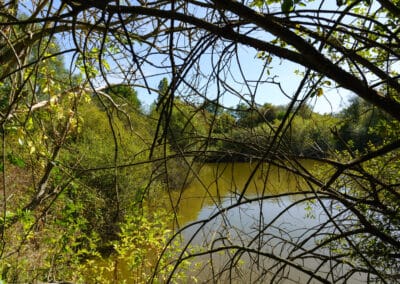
point(246, 131)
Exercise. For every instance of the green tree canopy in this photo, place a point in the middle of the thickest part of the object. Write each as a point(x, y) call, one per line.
point(126, 93)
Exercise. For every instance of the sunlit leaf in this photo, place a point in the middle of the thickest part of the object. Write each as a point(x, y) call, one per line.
point(319, 92)
point(29, 124)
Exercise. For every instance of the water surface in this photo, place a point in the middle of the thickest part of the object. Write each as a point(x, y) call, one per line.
point(273, 217)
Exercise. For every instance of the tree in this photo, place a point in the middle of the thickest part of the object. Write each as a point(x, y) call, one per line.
point(351, 46)
point(125, 92)
point(269, 112)
point(360, 122)
point(248, 116)
point(225, 122)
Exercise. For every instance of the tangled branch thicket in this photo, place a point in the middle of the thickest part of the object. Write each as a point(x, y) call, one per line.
point(203, 48)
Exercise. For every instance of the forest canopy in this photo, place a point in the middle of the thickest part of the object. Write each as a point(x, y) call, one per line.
point(83, 164)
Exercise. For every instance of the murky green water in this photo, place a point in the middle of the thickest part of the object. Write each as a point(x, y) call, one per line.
point(216, 183)
point(272, 217)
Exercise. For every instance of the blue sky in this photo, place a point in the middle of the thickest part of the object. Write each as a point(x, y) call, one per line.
point(282, 71)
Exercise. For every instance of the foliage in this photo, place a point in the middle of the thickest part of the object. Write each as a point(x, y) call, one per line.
point(224, 123)
point(45, 247)
point(183, 125)
point(142, 239)
point(124, 94)
point(97, 147)
point(308, 134)
point(374, 202)
point(359, 123)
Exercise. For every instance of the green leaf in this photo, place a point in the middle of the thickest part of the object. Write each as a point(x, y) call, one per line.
point(15, 160)
point(106, 65)
point(287, 6)
point(318, 92)
point(29, 124)
point(257, 3)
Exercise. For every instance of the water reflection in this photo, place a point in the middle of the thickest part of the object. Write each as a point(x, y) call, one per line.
point(268, 235)
point(259, 239)
point(217, 183)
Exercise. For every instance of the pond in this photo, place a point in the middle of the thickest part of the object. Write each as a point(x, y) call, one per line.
point(265, 229)
point(258, 237)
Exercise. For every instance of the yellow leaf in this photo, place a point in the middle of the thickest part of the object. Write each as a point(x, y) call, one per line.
point(32, 148)
point(29, 124)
